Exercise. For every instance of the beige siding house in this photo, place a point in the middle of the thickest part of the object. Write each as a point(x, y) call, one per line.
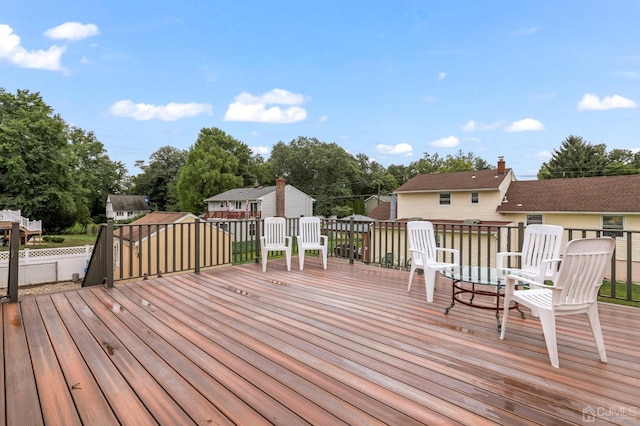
point(472, 195)
point(607, 203)
point(495, 197)
point(164, 241)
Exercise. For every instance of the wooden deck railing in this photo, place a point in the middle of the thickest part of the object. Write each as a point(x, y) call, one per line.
point(140, 251)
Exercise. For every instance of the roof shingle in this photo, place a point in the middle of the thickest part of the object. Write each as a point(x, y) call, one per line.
point(455, 181)
point(590, 194)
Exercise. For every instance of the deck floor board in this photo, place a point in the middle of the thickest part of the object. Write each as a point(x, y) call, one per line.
point(346, 345)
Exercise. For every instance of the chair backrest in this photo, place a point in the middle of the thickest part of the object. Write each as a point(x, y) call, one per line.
point(422, 238)
point(309, 230)
point(274, 231)
point(582, 271)
point(541, 242)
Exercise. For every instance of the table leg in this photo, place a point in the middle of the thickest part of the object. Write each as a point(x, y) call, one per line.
point(453, 296)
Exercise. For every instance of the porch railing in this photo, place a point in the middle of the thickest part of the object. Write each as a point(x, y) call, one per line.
point(129, 252)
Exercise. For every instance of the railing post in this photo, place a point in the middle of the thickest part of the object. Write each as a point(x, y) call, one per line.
point(108, 255)
point(352, 247)
point(258, 252)
point(14, 259)
point(197, 245)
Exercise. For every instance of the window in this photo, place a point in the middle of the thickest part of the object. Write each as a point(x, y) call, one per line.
point(534, 219)
point(252, 229)
point(612, 226)
point(445, 198)
point(238, 205)
point(475, 197)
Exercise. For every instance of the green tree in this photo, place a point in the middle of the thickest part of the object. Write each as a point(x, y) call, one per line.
point(97, 175)
point(323, 170)
point(575, 158)
point(36, 162)
point(159, 178)
point(451, 163)
point(215, 163)
point(622, 162)
point(376, 178)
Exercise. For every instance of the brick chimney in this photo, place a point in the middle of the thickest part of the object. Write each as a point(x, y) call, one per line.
point(280, 185)
point(501, 165)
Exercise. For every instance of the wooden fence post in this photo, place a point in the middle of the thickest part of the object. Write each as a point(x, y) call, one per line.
point(14, 261)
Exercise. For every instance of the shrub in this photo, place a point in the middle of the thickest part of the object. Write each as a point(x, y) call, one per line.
point(46, 238)
point(57, 239)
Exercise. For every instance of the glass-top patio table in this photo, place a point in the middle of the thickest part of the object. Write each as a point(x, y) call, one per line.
point(488, 283)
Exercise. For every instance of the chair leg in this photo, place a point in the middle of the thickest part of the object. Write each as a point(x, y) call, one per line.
point(323, 253)
point(264, 260)
point(505, 313)
point(594, 321)
point(301, 259)
point(411, 272)
point(548, 321)
point(430, 282)
point(287, 256)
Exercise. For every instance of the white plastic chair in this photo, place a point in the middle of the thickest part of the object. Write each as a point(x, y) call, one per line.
point(574, 291)
point(310, 238)
point(541, 242)
point(424, 254)
point(274, 238)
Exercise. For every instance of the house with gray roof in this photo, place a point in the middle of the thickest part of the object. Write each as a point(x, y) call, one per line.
point(260, 201)
point(124, 207)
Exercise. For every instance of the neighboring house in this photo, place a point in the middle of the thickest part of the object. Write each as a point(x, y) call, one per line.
point(494, 197)
point(606, 202)
point(260, 201)
point(463, 196)
point(124, 207)
point(382, 212)
point(371, 203)
point(176, 230)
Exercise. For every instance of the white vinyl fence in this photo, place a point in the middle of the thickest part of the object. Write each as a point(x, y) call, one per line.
point(39, 266)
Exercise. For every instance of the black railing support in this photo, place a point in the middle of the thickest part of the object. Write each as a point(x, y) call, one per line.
point(352, 247)
point(108, 255)
point(14, 262)
point(196, 241)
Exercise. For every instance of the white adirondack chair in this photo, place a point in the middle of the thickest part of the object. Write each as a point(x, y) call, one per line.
point(274, 238)
point(310, 238)
point(574, 291)
point(541, 242)
point(424, 254)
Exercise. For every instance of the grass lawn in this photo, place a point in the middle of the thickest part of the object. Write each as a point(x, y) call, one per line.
point(621, 291)
point(71, 240)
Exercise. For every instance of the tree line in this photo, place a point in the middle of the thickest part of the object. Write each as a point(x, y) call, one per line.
point(62, 174)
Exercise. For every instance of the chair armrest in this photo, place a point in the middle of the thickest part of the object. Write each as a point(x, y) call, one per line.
point(542, 271)
point(501, 255)
point(513, 278)
point(289, 239)
point(262, 239)
point(325, 239)
point(455, 252)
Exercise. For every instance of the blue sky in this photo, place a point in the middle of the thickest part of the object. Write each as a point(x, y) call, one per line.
point(389, 79)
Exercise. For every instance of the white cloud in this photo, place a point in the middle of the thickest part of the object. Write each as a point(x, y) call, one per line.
point(262, 150)
point(323, 118)
point(525, 125)
point(12, 51)
point(591, 102)
point(72, 31)
point(447, 142)
point(170, 112)
point(632, 75)
point(252, 108)
point(401, 148)
point(474, 126)
point(442, 75)
point(544, 155)
point(525, 31)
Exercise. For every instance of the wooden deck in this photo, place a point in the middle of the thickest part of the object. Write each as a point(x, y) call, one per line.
point(348, 345)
